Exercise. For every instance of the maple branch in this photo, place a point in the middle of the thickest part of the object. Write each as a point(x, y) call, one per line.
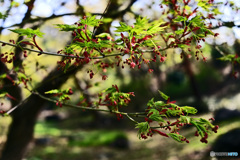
point(128, 115)
point(45, 19)
point(15, 107)
point(71, 56)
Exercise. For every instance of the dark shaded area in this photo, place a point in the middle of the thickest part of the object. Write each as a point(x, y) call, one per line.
point(42, 141)
point(229, 142)
point(53, 118)
point(225, 114)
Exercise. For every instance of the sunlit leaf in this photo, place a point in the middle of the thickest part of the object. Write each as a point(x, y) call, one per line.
point(27, 32)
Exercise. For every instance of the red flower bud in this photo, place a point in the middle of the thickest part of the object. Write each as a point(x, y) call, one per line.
point(162, 59)
point(132, 65)
point(196, 134)
point(216, 34)
point(212, 119)
point(150, 70)
point(70, 92)
point(104, 77)
point(159, 132)
point(215, 128)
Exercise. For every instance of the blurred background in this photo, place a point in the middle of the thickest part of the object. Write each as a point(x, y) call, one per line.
point(64, 133)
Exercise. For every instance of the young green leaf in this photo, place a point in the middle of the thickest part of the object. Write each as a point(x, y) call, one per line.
point(123, 27)
point(197, 21)
point(200, 128)
point(91, 21)
point(141, 22)
point(104, 35)
point(2, 16)
point(176, 137)
point(143, 127)
point(150, 102)
point(180, 19)
point(164, 96)
point(54, 91)
point(66, 27)
point(173, 112)
point(185, 119)
point(180, 31)
point(204, 121)
point(2, 76)
point(155, 116)
point(159, 103)
point(3, 94)
point(189, 110)
point(27, 32)
point(229, 57)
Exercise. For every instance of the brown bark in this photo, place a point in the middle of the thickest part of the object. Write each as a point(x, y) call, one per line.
point(201, 106)
point(24, 117)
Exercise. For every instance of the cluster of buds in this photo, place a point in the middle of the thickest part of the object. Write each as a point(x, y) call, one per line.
point(7, 57)
point(113, 99)
point(63, 95)
point(157, 111)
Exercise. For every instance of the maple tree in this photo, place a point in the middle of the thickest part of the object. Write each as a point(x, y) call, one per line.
point(144, 43)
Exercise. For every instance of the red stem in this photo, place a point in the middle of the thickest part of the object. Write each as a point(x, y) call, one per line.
point(34, 41)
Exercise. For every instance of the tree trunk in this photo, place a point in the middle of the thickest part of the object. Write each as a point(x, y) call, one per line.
point(200, 105)
point(24, 117)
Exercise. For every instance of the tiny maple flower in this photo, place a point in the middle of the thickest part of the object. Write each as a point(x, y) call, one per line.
point(196, 134)
point(104, 77)
point(132, 65)
point(150, 70)
point(212, 119)
point(25, 54)
point(215, 129)
point(204, 140)
point(70, 92)
point(162, 59)
point(87, 60)
point(131, 93)
point(204, 59)
point(143, 136)
point(216, 34)
point(91, 75)
point(146, 61)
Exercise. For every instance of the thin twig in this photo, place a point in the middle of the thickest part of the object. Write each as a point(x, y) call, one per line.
point(70, 56)
point(56, 54)
point(95, 28)
point(130, 118)
point(90, 108)
point(15, 107)
point(47, 18)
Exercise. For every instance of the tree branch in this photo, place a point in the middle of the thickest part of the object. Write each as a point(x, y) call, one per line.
point(45, 19)
point(79, 57)
point(15, 107)
point(93, 108)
